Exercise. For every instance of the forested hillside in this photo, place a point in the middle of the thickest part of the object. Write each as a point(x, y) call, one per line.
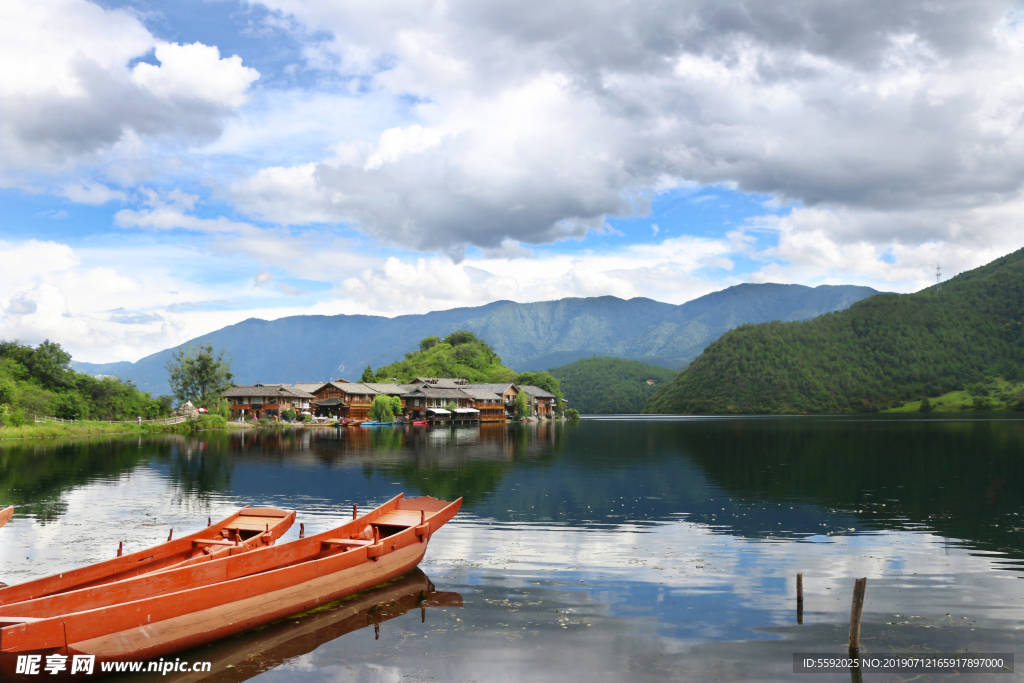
point(607, 386)
point(878, 353)
point(460, 354)
point(39, 381)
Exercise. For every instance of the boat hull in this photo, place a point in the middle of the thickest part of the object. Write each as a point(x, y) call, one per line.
point(272, 583)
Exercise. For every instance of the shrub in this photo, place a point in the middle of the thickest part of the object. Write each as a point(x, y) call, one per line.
point(14, 418)
point(926, 405)
point(289, 415)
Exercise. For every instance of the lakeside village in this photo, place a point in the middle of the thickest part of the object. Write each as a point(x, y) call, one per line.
point(425, 400)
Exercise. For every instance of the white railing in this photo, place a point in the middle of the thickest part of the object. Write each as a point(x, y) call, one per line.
point(176, 420)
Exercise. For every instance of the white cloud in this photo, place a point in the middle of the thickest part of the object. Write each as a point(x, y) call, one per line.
point(72, 95)
point(196, 71)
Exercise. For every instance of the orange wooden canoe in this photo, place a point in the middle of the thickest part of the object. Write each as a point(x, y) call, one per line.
point(6, 514)
point(159, 614)
point(247, 529)
point(256, 652)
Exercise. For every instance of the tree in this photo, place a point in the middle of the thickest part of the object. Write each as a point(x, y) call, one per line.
point(198, 375)
point(926, 405)
point(51, 365)
point(451, 406)
point(368, 375)
point(429, 343)
point(396, 405)
point(522, 407)
point(381, 408)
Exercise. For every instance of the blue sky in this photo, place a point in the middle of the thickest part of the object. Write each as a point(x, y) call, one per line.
point(170, 168)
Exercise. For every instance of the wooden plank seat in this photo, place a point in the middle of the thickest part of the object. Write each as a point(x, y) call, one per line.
point(399, 518)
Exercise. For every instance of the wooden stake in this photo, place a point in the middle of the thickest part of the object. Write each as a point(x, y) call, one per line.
point(209, 521)
point(799, 598)
point(355, 511)
point(120, 546)
point(856, 611)
point(170, 535)
point(302, 530)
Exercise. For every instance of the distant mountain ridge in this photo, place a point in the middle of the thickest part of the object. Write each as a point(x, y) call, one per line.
point(532, 336)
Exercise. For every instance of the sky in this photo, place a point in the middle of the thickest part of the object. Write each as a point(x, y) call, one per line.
point(169, 168)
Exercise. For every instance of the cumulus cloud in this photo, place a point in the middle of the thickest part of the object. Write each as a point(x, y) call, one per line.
point(73, 94)
point(533, 123)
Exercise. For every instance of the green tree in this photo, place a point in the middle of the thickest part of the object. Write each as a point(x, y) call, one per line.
point(51, 365)
point(926, 405)
point(429, 343)
point(368, 375)
point(70, 406)
point(199, 375)
point(381, 409)
point(396, 405)
point(8, 391)
point(572, 414)
point(451, 406)
point(522, 407)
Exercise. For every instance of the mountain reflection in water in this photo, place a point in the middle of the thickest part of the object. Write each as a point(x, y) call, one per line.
point(603, 550)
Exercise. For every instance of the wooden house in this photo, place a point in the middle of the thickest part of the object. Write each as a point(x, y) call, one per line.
point(507, 392)
point(541, 402)
point(343, 400)
point(490, 404)
point(254, 401)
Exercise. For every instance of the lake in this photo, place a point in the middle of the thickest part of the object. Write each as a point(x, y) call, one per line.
point(612, 549)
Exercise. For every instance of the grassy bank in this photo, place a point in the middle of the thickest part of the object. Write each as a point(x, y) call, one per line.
point(993, 396)
point(49, 430)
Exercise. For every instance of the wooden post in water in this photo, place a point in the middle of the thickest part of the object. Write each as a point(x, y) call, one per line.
point(302, 530)
point(355, 511)
point(799, 598)
point(170, 535)
point(120, 547)
point(856, 611)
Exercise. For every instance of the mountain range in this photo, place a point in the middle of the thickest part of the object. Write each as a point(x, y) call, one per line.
point(531, 336)
point(959, 335)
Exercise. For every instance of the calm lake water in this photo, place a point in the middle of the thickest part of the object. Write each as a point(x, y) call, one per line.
point(607, 550)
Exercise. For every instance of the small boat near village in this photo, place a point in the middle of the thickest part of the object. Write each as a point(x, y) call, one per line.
point(245, 530)
point(159, 614)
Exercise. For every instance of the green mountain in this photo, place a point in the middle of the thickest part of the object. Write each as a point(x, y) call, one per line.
point(879, 353)
point(610, 386)
point(460, 354)
point(534, 336)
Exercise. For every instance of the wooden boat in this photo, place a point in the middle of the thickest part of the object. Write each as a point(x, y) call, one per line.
point(374, 423)
point(251, 654)
point(245, 530)
point(159, 614)
point(354, 423)
point(420, 423)
point(6, 514)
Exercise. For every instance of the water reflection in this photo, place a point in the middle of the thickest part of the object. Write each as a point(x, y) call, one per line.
point(652, 550)
point(250, 654)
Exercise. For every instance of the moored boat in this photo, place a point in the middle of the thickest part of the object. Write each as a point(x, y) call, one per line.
point(153, 616)
point(420, 423)
point(375, 423)
point(6, 514)
point(245, 530)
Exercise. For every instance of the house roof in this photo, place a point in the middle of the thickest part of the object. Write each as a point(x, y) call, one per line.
point(332, 401)
point(536, 392)
point(265, 391)
point(498, 388)
point(308, 387)
point(481, 394)
point(349, 387)
point(430, 391)
point(391, 389)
